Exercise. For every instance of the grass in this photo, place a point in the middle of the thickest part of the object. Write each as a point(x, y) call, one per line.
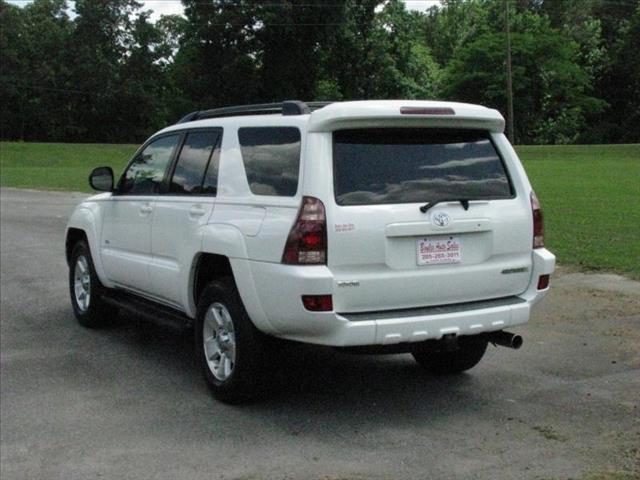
point(58, 166)
point(590, 193)
point(590, 197)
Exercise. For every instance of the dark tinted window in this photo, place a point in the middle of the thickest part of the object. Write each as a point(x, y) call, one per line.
point(393, 165)
point(146, 172)
point(192, 163)
point(271, 157)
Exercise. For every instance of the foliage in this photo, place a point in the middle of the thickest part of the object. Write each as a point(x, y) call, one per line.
point(620, 85)
point(290, 38)
point(457, 23)
point(381, 42)
point(34, 67)
point(107, 73)
point(549, 87)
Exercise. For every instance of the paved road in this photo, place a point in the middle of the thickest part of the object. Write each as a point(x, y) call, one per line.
point(128, 402)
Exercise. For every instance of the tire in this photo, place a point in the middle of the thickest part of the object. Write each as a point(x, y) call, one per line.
point(229, 348)
point(470, 351)
point(86, 290)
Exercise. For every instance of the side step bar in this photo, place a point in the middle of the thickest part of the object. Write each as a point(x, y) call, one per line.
point(148, 310)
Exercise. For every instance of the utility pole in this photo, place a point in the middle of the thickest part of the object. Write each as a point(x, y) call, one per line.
point(507, 28)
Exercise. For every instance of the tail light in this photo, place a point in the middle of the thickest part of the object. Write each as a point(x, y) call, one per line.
point(307, 241)
point(538, 228)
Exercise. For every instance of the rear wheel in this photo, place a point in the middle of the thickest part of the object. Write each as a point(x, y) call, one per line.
point(469, 352)
point(230, 348)
point(86, 290)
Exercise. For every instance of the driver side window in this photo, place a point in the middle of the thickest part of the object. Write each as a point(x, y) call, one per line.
point(145, 174)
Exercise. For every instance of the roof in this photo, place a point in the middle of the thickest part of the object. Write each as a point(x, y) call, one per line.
point(354, 114)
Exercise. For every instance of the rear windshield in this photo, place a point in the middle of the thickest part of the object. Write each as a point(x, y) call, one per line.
point(406, 165)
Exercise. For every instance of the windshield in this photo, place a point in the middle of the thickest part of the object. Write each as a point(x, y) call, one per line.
point(407, 165)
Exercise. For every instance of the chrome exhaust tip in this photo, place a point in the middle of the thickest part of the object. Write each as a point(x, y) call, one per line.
point(506, 339)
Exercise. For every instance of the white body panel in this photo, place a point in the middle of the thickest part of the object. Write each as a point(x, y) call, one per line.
point(150, 244)
point(176, 234)
point(125, 244)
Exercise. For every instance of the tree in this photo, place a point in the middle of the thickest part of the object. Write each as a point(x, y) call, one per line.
point(102, 34)
point(454, 24)
point(415, 73)
point(110, 74)
point(378, 53)
point(142, 88)
point(15, 67)
point(216, 63)
point(620, 86)
point(290, 36)
point(33, 83)
point(551, 90)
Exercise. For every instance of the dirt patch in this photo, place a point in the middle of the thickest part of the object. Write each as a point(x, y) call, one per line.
point(549, 433)
point(604, 305)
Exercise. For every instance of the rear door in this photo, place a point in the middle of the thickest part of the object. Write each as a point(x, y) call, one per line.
point(180, 211)
point(470, 241)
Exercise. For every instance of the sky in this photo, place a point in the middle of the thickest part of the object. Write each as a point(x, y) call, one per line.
point(169, 7)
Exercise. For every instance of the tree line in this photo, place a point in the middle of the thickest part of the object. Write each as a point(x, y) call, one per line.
point(107, 73)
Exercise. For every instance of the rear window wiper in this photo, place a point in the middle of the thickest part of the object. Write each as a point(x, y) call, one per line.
point(463, 201)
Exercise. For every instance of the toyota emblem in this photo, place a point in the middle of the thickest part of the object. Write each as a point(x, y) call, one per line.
point(441, 219)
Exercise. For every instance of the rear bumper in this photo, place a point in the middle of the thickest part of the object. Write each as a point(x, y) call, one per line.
point(400, 327)
point(279, 289)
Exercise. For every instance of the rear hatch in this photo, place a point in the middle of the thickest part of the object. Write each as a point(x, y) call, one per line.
point(470, 241)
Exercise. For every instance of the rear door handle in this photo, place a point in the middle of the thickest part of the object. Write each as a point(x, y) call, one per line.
point(197, 211)
point(146, 209)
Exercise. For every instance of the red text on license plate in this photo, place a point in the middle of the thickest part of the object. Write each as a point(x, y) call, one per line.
point(437, 250)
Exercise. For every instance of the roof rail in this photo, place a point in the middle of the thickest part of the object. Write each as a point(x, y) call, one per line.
point(288, 107)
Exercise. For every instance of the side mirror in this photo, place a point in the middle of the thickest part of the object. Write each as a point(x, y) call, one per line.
point(101, 179)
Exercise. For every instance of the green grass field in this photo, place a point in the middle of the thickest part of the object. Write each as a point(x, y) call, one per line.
point(590, 194)
point(58, 166)
point(590, 197)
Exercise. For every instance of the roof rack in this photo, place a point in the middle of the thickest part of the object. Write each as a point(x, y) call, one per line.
point(288, 107)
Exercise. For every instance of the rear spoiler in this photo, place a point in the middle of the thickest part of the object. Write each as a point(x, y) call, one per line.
point(399, 113)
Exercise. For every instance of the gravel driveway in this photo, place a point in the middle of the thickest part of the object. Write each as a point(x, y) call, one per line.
point(128, 402)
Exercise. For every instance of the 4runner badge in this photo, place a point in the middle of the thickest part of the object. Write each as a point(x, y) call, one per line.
point(440, 219)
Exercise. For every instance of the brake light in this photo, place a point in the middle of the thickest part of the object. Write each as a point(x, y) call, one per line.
point(307, 241)
point(538, 227)
point(427, 111)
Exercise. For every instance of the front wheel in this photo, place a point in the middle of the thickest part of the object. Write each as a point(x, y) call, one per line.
point(86, 290)
point(469, 352)
point(230, 348)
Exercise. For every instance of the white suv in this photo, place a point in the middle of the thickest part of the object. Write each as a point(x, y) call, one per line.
point(384, 226)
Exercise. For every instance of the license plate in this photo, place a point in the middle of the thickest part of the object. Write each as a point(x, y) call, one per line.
point(438, 250)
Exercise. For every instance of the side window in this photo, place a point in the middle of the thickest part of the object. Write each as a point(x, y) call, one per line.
point(271, 157)
point(188, 176)
point(145, 174)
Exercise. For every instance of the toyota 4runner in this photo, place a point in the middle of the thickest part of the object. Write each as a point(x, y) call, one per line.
point(378, 226)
